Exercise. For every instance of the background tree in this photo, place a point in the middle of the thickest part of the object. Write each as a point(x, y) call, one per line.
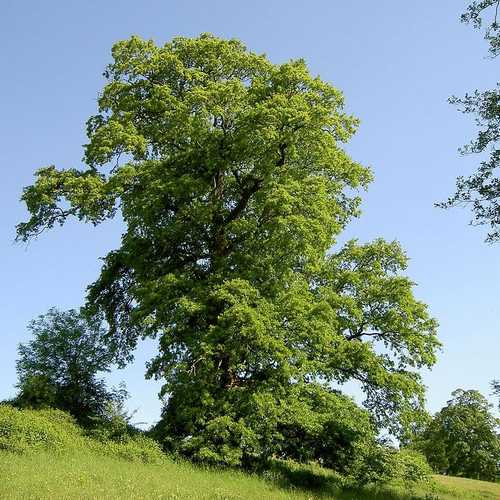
point(462, 439)
point(229, 173)
point(481, 190)
point(58, 368)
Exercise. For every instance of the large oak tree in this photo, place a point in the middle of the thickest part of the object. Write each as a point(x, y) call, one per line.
point(231, 179)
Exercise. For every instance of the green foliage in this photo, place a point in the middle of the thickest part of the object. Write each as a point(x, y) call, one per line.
point(316, 425)
point(381, 464)
point(111, 428)
point(462, 439)
point(233, 186)
point(374, 466)
point(36, 391)
point(47, 476)
point(26, 431)
point(221, 442)
point(326, 427)
point(495, 385)
point(115, 423)
point(474, 15)
point(410, 467)
point(136, 448)
point(480, 191)
point(58, 367)
point(306, 477)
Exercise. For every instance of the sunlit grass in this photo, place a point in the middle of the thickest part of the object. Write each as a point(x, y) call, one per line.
point(89, 476)
point(459, 487)
point(46, 476)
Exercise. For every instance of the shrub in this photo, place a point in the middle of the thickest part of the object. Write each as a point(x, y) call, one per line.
point(58, 368)
point(411, 466)
point(311, 476)
point(24, 431)
point(379, 464)
point(114, 424)
point(134, 449)
point(325, 427)
point(310, 423)
point(218, 444)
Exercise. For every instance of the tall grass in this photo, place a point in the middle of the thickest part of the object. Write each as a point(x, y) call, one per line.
point(45, 455)
point(82, 475)
point(25, 431)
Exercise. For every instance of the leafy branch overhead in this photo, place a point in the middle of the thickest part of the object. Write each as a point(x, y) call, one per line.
point(481, 190)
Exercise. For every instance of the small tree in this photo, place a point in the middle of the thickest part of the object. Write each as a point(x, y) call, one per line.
point(462, 439)
point(59, 367)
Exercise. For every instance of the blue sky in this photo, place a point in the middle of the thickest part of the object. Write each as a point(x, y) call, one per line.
point(396, 62)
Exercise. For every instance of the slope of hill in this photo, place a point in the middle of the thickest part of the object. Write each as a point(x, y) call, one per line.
point(87, 475)
point(45, 455)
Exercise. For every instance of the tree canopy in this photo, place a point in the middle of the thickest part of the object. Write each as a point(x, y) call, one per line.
point(231, 179)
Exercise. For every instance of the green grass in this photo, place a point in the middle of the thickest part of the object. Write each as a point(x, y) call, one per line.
point(459, 487)
point(45, 455)
point(45, 475)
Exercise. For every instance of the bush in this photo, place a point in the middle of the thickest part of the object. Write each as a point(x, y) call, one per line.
point(220, 443)
point(114, 424)
point(379, 464)
point(24, 431)
point(324, 427)
point(462, 438)
point(311, 476)
point(411, 466)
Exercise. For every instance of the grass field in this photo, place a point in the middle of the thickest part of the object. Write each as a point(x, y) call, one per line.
point(89, 476)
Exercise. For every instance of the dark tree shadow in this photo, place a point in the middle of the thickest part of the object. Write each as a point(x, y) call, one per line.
point(323, 484)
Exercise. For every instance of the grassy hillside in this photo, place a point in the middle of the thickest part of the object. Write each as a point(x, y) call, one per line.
point(45, 455)
point(459, 487)
point(87, 475)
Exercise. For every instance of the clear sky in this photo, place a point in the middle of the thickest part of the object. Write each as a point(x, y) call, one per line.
point(396, 62)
